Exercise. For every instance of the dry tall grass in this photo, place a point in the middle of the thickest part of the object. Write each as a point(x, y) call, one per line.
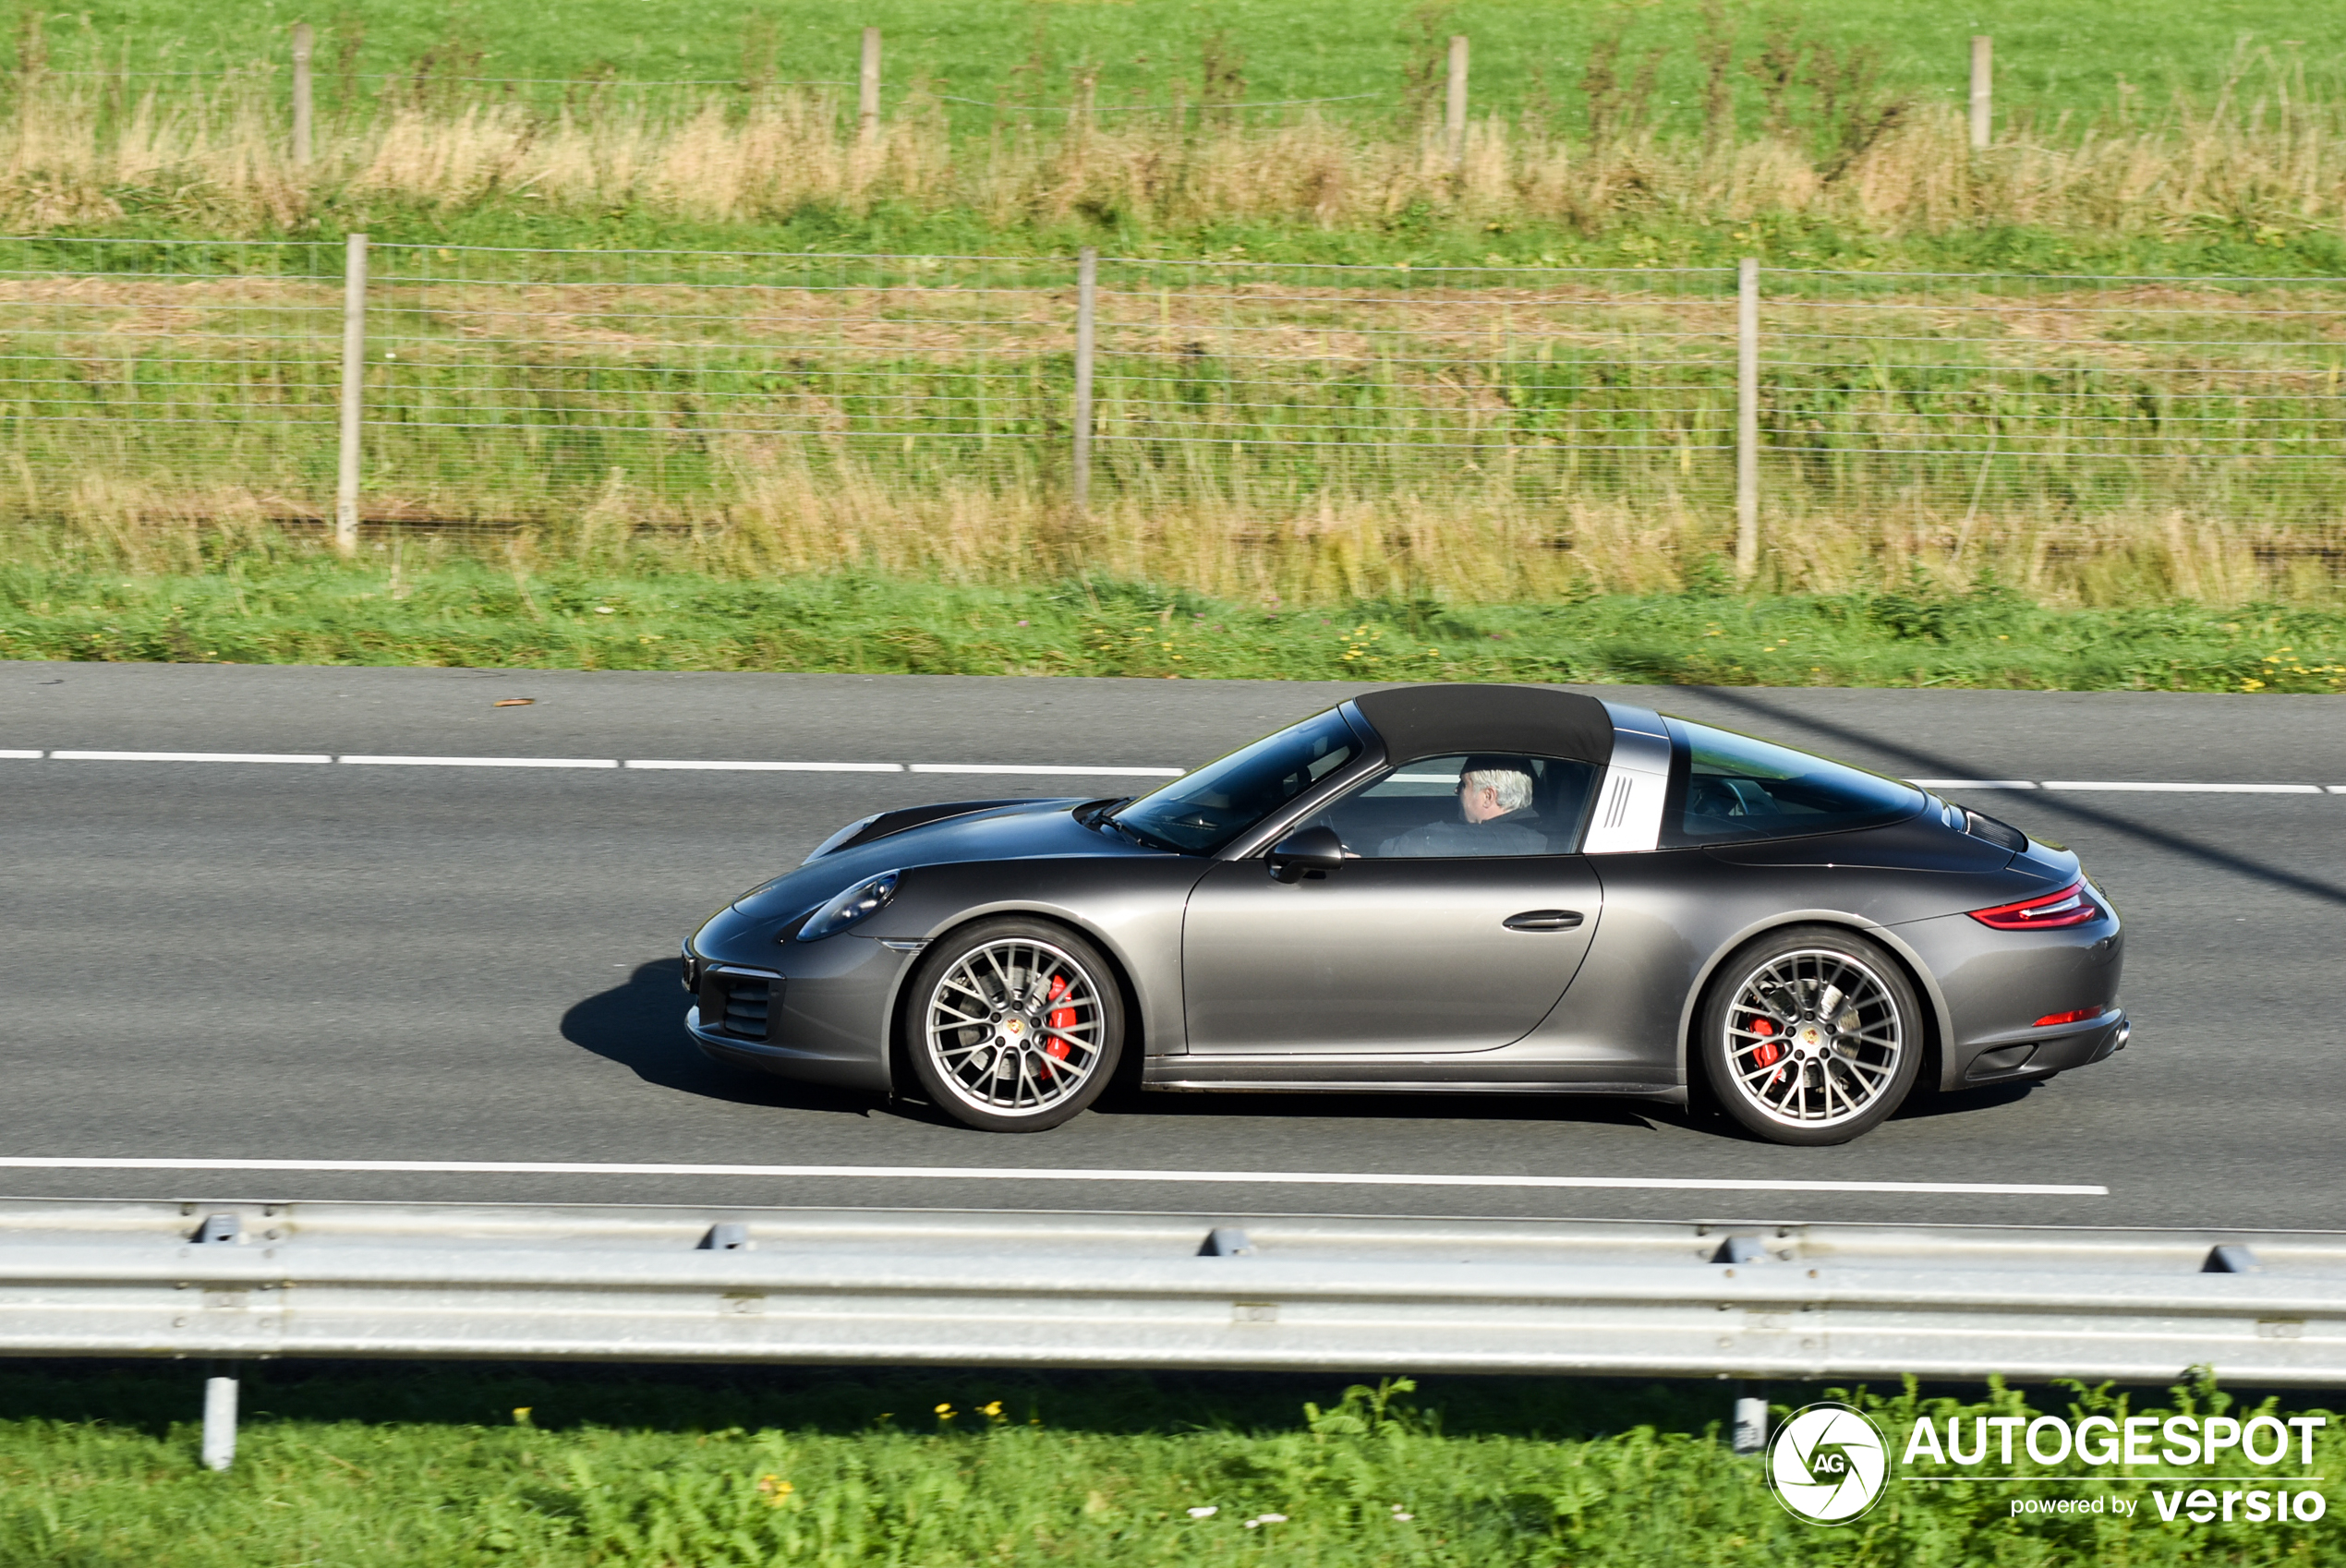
point(83, 151)
point(784, 519)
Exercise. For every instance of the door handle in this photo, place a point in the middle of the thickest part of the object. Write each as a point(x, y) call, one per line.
point(1544, 920)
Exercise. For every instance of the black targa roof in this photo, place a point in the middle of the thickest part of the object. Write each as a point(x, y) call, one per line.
point(1425, 722)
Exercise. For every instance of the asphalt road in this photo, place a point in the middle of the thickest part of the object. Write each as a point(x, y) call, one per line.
point(437, 964)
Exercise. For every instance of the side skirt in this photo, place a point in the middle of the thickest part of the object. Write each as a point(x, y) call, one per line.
point(1676, 1095)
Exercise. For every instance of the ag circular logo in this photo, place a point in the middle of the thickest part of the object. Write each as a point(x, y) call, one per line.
point(1827, 1464)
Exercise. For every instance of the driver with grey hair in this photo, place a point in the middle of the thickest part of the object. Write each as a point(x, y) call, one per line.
point(1494, 816)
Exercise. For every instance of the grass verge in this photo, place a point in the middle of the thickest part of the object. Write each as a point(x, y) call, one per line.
point(311, 610)
point(741, 1467)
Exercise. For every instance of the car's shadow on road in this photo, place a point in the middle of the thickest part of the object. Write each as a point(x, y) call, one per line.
point(640, 1025)
point(1958, 1102)
point(1127, 1099)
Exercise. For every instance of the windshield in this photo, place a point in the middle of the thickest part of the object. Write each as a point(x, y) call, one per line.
point(1200, 812)
point(1734, 787)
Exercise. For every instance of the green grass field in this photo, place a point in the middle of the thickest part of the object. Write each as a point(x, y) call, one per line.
point(298, 605)
point(1665, 75)
point(450, 1466)
point(2050, 60)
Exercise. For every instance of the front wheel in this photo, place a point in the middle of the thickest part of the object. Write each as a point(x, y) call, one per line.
point(1811, 1036)
point(1015, 1025)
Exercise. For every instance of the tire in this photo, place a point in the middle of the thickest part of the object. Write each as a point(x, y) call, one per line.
point(1811, 1036)
point(1013, 1025)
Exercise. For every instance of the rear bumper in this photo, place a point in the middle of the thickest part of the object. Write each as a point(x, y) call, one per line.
point(2041, 1056)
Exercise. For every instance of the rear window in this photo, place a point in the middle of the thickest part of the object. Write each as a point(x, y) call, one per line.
point(1727, 788)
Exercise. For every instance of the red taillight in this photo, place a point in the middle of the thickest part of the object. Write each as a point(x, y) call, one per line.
point(2080, 1015)
point(2072, 906)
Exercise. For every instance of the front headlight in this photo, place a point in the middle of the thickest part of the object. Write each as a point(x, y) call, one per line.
point(866, 898)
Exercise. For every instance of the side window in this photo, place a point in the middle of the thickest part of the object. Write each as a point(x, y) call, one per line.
point(1734, 787)
point(1466, 807)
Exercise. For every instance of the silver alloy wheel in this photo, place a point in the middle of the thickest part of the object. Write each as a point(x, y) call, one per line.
point(1014, 1027)
point(1814, 1038)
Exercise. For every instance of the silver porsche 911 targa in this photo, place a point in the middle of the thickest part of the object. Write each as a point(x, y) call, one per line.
point(1427, 890)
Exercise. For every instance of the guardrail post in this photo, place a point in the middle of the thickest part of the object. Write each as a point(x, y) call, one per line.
point(868, 87)
point(354, 391)
point(1746, 419)
point(1750, 1428)
point(302, 39)
point(1453, 119)
point(219, 1423)
point(1983, 91)
point(1087, 277)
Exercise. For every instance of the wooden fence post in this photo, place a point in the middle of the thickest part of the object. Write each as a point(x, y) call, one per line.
point(867, 105)
point(1983, 91)
point(353, 389)
point(1087, 279)
point(1453, 119)
point(1746, 419)
point(301, 48)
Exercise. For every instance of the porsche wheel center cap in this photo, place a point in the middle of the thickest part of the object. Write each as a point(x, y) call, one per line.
point(1013, 1028)
point(1809, 1040)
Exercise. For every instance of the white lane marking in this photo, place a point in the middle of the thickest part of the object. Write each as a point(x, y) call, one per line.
point(1044, 768)
point(2185, 789)
point(772, 767)
point(994, 1172)
point(189, 756)
point(485, 762)
point(1040, 770)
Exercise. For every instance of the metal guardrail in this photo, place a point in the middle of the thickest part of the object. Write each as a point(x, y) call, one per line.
point(1070, 1289)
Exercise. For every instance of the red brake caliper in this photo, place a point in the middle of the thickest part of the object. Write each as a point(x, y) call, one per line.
point(1767, 1053)
point(1059, 1018)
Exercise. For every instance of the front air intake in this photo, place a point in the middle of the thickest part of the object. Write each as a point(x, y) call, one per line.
point(739, 1003)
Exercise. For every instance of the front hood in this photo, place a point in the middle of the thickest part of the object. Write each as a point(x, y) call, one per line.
point(1026, 830)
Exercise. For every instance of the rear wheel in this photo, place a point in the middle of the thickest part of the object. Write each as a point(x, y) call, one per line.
point(1811, 1036)
point(1015, 1025)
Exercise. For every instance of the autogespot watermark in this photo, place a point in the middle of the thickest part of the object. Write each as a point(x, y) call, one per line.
point(1828, 1463)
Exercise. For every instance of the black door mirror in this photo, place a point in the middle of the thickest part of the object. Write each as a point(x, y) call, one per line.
point(1314, 851)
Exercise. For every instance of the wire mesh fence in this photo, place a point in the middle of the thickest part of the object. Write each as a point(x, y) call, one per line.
point(2079, 392)
point(513, 383)
point(525, 386)
point(180, 369)
point(1258, 380)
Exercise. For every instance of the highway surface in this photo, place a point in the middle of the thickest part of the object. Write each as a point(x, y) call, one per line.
point(467, 969)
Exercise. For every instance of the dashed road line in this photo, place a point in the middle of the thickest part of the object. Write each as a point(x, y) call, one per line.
point(483, 762)
point(767, 766)
point(1044, 768)
point(1038, 770)
point(188, 756)
point(2185, 789)
point(696, 764)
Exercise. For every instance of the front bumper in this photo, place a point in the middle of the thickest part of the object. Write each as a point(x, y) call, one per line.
point(819, 1012)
